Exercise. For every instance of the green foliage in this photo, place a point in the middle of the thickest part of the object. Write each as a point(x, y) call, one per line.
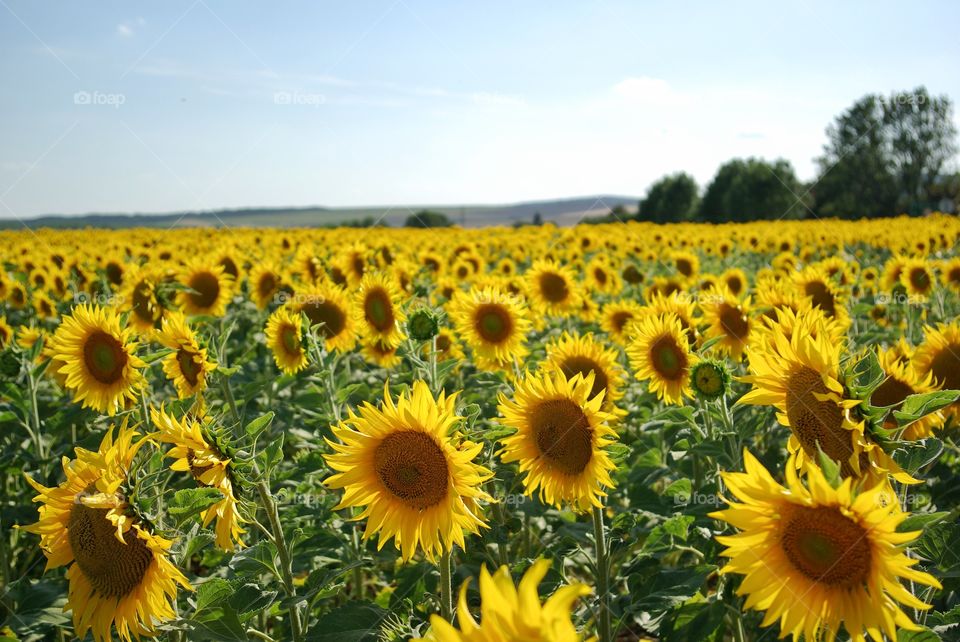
point(752, 189)
point(673, 198)
point(426, 218)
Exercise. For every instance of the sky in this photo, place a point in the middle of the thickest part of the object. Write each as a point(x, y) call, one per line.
point(116, 106)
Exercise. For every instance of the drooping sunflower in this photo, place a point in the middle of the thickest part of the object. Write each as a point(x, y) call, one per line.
point(210, 289)
point(901, 381)
point(285, 339)
point(561, 438)
point(97, 359)
point(411, 471)
point(573, 354)
point(328, 306)
point(494, 324)
point(509, 612)
point(800, 377)
point(120, 573)
point(729, 319)
point(660, 354)
point(187, 366)
point(195, 453)
point(815, 557)
point(552, 288)
point(939, 356)
point(378, 301)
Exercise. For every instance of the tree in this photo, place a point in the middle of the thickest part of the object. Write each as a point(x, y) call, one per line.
point(672, 198)
point(751, 189)
point(426, 218)
point(886, 155)
point(537, 218)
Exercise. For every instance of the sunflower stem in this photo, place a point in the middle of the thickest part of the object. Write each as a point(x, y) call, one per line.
point(35, 412)
point(283, 552)
point(446, 585)
point(603, 578)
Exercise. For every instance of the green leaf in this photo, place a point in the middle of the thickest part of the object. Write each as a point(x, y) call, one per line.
point(924, 635)
point(258, 425)
point(919, 521)
point(918, 454)
point(353, 622)
point(190, 502)
point(867, 374)
point(830, 468)
point(212, 592)
point(919, 406)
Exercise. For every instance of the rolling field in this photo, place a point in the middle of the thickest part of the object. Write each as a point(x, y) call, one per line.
point(614, 432)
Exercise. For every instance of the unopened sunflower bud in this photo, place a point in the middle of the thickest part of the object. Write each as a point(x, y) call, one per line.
point(423, 325)
point(710, 379)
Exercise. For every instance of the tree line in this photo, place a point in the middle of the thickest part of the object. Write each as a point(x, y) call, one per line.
point(885, 155)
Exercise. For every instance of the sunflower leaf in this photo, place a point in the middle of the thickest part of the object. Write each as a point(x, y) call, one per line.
point(190, 502)
point(258, 425)
point(867, 375)
point(830, 468)
point(917, 455)
point(917, 407)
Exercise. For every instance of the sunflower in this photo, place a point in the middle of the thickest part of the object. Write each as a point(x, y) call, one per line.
point(509, 612)
point(447, 346)
point(552, 288)
point(800, 376)
point(816, 557)
point(902, 380)
point(815, 285)
point(96, 358)
point(187, 366)
point(285, 339)
point(617, 317)
point(493, 324)
point(561, 438)
point(602, 277)
point(265, 284)
point(194, 453)
point(950, 274)
point(382, 354)
point(660, 354)
point(687, 264)
point(411, 472)
point(210, 289)
point(6, 332)
point(728, 319)
point(327, 306)
point(575, 354)
point(918, 278)
point(120, 573)
point(735, 280)
point(378, 301)
point(681, 305)
point(139, 297)
point(939, 357)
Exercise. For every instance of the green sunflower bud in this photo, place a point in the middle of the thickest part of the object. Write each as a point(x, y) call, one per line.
point(710, 379)
point(423, 325)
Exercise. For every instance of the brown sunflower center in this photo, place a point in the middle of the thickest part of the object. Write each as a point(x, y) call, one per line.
point(826, 546)
point(413, 467)
point(578, 364)
point(632, 275)
point(443, 343)
point(620, 319)
point(953, 276)
point(104, 357)
point(890, 393)
point(945, 367)
point(378, 310)
point(329, 314)
point(113, 568)
point(821, 297)
point(267, 285)
point(142, 304)
point(563, 434)
point(206, 288)
point(189, 368)
point(229, 266)
point(493, 323)
point(600, 275)
point(734, 322)
point(734, 284)
point(114, 273)
point(920, 279)
point(817, 422)
point(684, 267)
point(668, 359)
point(554, 287)
point(290, 339)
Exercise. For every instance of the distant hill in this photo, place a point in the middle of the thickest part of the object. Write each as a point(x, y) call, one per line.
point(560, 211)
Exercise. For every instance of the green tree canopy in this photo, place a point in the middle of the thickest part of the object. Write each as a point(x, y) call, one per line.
point(672, 198)
point(426, 218)
point(751, 189)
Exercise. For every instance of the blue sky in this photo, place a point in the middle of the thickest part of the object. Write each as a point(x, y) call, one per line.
point(198, 104)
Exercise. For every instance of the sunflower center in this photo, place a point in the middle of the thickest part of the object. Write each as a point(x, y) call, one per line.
point(113, 568)
point(143, 302)
point(734, 322)
point(684, 267)
point(620, 319)
point(290, 339)
point(378, 310)
point(578, 364)
point(821, 297)
point(735, 284)
point(104, 357)
point(632, 275)
point(329, 314)
point(114, 273)
point(554, 287)
point(189, 367)
point(207, 289)
point(826, 546)
point(413, 467)
point(493, 323)
point(817, 422)
point(946, 367)
point(600, 275)
point(443, 343)
point(563, 434)
point(920, 279)
point(890, 393)
point(267, 285)
point(667, 358)
point(954, 275)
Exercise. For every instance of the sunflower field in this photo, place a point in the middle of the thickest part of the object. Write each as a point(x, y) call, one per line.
point(608, 432)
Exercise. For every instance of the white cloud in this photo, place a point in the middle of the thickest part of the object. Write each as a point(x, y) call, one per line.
point(126, 29)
